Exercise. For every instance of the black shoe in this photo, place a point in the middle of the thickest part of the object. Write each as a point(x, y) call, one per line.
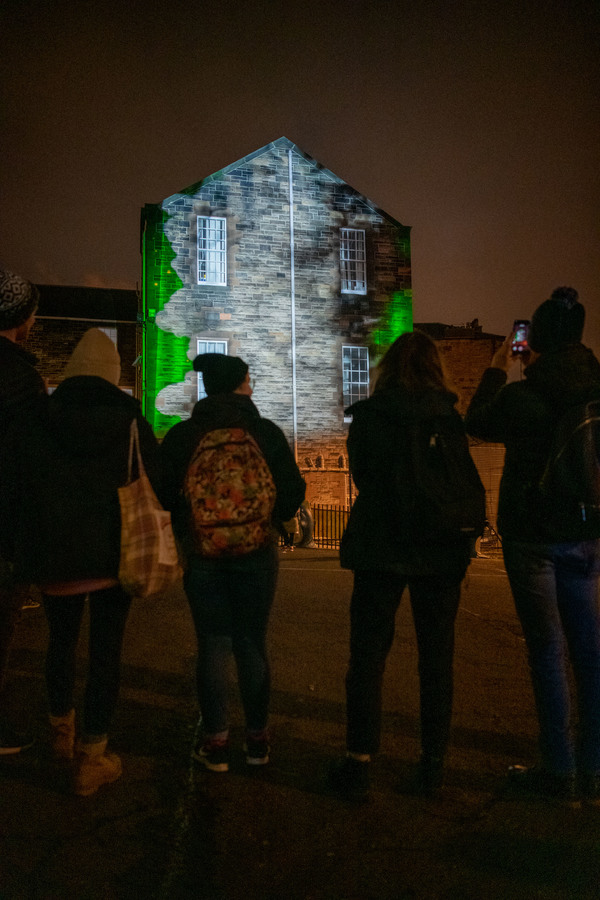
point(430, 776)
point(590, 789)
point(213, 755)
point(257, 751)
point(560, 789)
point(13, 742)
point(350, 779)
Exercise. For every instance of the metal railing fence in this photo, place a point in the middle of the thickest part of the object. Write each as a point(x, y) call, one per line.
point(329, 524)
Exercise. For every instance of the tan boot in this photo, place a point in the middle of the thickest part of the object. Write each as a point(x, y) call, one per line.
point(94, 767)
point(62, 735)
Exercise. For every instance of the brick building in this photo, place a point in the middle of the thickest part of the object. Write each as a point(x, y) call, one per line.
point(277, 260)
point(466, 351)
point(65, 314)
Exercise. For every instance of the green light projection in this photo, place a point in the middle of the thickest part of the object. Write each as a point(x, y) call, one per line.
point(165, 355)
point(397, 319)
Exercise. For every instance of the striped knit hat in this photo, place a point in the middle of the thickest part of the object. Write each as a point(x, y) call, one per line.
point(18, 300)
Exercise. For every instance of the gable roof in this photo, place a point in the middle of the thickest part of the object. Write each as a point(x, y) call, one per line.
point(281, 143)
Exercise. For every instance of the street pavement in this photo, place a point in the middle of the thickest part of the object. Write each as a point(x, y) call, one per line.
point(166, 830)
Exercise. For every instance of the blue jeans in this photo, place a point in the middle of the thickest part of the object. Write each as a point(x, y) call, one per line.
point(230, 600)
point(555, 589)
point(375, 600)
point(109, 609)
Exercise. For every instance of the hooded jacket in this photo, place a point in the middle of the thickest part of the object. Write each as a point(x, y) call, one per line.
point(523, 415)
point(60, 468)
point(228, 411)
point(20, 382)
point(377, 536)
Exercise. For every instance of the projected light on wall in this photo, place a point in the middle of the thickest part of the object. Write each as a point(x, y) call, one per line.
point(166, 360)
point(396, 319)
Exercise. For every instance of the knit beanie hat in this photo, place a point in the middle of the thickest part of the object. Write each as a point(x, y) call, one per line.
point(557, 322)
point(221, 374)
point(18, 300)
point(95, 354)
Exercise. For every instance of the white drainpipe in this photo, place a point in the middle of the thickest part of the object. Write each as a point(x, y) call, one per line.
point(293, 299)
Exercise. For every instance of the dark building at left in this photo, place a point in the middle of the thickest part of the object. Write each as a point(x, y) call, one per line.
point(65, 314)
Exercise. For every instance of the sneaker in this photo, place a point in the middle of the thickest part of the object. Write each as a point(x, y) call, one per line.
point(590, 789)
point(561, 789)
point(350, 779)
point(12, 742)
point(214, 755)
point(30, 603)
point(257, 751)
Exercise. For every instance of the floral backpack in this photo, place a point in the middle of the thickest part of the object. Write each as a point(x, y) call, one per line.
point(231, 494)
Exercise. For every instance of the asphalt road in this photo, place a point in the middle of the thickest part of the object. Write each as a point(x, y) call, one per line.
point(167, 830)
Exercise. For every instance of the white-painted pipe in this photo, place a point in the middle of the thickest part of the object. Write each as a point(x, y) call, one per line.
point(293, 303)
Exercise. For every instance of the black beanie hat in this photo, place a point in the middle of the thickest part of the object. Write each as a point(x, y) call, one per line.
point(557, 322)
point(18, 300)
point(221, 374)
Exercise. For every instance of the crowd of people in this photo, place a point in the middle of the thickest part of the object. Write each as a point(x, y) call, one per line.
point(63, 457)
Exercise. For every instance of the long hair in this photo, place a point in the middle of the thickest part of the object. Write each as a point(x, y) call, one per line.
point(413, 363)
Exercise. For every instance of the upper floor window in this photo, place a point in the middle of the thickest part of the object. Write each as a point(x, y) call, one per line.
point(355, 374)
point(208, 347)
point(353, 268)
point(212, 250)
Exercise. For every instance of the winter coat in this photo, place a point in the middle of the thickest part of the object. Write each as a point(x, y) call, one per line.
point(378, 535)
point(227, 411)
point(523, 416)
point(20, 383)
point(60, 467)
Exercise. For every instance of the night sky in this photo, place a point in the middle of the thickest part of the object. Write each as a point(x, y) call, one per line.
point(477, 123)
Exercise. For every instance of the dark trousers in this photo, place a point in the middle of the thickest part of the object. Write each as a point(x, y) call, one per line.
point(11, 601)
point(375, 600)
point(230, 601)
point(108, 609)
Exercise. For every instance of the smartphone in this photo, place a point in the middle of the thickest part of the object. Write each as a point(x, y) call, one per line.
point(520, 336)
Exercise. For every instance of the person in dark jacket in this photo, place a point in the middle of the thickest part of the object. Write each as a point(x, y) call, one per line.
point(61, 467)
point(230, 596)
point(379, 547)
point(552, 561)
point(20, 386)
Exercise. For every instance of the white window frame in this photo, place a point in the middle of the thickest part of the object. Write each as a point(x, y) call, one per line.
point(355, 374)
point(353, 261)
point(212, 250)
point(110, 332)
point(206, 346)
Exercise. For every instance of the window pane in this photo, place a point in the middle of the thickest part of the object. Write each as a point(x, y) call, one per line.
point(212, 250)
point(353, 261)
point(355, 374)
point(208, 347)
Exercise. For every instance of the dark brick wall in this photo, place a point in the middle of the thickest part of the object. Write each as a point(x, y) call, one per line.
point(53, 341)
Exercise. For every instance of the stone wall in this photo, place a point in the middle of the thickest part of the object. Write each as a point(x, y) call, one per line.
point(253, 311)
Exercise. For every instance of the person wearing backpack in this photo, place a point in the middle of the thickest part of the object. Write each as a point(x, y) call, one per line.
point(229, 474)
point(551, 544)
point(419, 508)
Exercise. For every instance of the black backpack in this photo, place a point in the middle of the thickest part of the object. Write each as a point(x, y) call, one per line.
point(441, 494)
point(570, 483)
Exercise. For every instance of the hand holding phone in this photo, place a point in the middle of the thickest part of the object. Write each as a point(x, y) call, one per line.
point(520, 337)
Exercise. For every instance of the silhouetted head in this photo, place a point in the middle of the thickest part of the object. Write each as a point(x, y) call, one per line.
point(557, 322)
point(412, 362)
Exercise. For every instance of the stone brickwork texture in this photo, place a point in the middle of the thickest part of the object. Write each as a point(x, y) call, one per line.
point(253, 312)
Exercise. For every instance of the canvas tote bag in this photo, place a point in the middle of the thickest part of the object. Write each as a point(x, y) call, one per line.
point(149, 561)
